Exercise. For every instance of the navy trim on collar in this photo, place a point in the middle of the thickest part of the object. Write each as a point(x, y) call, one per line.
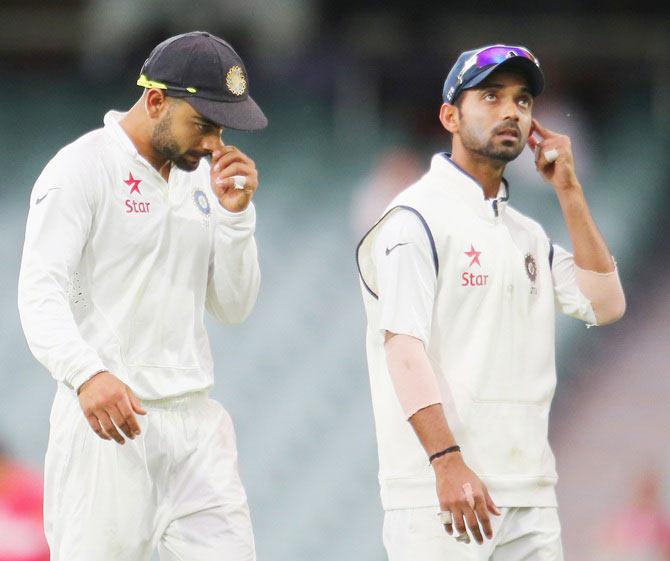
point(447, 157)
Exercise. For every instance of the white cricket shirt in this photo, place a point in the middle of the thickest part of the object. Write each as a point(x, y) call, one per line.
point(119, 265)
point(478, 283)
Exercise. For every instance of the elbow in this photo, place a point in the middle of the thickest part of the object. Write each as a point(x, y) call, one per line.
point(611, 311)
point(240, 315)
point(233, 311)
point(605, 293)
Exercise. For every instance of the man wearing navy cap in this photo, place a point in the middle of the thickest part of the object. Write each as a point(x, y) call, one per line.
point(131, 235)
point(460, 291)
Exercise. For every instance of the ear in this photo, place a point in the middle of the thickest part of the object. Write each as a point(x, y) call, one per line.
point(155, 102)
point(449, 117)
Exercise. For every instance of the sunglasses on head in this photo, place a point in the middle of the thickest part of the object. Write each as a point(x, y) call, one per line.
point(495, 55)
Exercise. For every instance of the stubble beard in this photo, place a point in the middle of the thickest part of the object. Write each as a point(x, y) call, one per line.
point(164, 143)
point(489, 149)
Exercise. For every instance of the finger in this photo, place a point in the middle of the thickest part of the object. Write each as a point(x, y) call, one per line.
point(224, 185)
point(97, 429)
point(129, 418)
point(542, 131)
point(471, 519)
point(120, 421)
point(236, 168)
point(135, 403)
point(449, 528)
point(109, 428)
point(459, 524)
point(490, 505)
point(229, 157)
point(465, 538)
point(483, 516)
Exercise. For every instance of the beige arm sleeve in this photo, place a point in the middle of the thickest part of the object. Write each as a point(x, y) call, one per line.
point(605, 292)
point(412, 374)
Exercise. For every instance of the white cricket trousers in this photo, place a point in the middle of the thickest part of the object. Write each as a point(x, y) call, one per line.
point(176, 487)
point(519, 534)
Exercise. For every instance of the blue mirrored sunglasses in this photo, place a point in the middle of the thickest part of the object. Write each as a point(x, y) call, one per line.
point(495, 55)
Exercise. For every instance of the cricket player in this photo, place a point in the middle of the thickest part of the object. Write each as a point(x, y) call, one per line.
point(460, 291)
point(131, 235)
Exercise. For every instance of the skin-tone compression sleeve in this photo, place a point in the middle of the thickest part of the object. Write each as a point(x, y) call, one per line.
point(605, 292)
point(412, 374)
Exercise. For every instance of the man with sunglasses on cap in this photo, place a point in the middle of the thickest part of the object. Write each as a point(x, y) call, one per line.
point(460, 291)
point(131, 235)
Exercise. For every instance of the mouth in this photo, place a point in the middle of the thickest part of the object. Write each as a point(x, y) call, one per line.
point(509, 133)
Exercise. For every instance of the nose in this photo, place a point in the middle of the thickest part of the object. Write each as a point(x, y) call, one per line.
point(211, 142)
point(510, 110)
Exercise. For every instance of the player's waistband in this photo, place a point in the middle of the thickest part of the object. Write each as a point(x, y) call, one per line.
point(177, 401)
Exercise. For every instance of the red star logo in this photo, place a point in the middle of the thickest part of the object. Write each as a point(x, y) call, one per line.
point(475, 256)
point(133, 183)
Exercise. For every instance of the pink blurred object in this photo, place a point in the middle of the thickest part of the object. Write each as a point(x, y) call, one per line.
point(21, 525)
point(640, 530)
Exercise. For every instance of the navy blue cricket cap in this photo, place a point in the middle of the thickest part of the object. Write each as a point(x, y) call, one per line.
point(473, 67)
point(206, 72)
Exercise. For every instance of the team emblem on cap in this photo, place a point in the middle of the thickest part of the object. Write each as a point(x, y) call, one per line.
point(235, 80)
point(531, 267)
point(201, 201)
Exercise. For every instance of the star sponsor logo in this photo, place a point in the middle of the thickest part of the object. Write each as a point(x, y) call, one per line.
point(474, 255)
point(133, 183)
point(132, 206)
point(471, 279)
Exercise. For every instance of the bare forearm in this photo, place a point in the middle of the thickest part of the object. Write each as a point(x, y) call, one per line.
point(432, 429)
point(589, 247)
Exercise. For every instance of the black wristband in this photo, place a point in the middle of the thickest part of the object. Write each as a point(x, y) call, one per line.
point(444, 452)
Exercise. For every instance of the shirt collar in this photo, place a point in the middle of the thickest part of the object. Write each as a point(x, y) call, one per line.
point(448, 172)
point(113, 127)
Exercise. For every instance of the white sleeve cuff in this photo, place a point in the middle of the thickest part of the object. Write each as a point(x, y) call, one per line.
point(85, 373)
point(238, 220)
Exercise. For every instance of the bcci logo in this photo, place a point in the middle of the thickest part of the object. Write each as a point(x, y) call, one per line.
point(202, 202)
point(235, 81)
point(531, 267)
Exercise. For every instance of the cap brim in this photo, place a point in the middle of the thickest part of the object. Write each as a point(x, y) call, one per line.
point(527, 67)
point(239, 115)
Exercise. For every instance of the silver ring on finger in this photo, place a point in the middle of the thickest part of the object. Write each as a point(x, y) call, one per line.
point(465, 538)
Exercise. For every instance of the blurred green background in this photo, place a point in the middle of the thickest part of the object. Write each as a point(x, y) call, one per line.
point(352, 91)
